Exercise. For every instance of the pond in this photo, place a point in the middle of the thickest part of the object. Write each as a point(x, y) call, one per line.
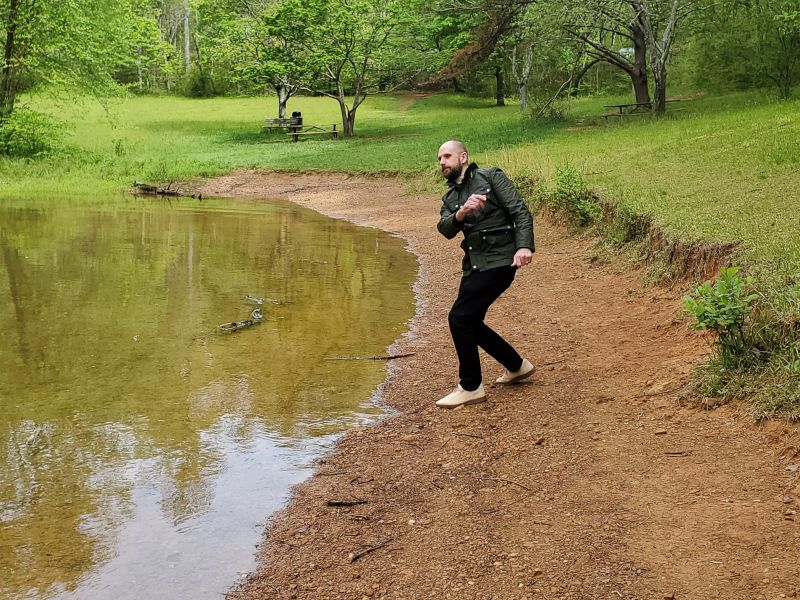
point(142, 448)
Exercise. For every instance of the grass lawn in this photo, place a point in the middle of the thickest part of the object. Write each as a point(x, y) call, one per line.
point(717, 167)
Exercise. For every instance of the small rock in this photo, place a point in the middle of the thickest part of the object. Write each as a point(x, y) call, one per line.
point(792, 468)
point(669, 596)
point(660, 432)
point(788, 500)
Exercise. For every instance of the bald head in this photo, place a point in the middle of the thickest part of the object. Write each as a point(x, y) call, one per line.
point(453, 159)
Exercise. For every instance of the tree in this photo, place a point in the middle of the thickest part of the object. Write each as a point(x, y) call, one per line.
point(659, 20)
point(750, 45)
point(339, 44)
point(492, 21)
point(521, 70)
point(537, 40)
point(785, 69)
point(615, 35)
point(75, 44)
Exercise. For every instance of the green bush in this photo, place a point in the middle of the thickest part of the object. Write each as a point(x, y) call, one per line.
point(196, 84)
point(29, 134)
point(722, 307)
point(571, 197)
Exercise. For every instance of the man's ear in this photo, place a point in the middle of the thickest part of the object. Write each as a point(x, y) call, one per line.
point(463, 158)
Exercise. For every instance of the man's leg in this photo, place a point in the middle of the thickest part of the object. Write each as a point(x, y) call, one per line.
point(476, 293)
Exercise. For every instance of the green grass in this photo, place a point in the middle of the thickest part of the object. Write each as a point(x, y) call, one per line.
point(723, 168)
point(176, 138)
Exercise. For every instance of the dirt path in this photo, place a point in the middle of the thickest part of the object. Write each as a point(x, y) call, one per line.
point(591, 481)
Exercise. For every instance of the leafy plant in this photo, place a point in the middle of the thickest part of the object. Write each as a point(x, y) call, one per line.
point(28, 134)
point(571, 196)
point(722, 307)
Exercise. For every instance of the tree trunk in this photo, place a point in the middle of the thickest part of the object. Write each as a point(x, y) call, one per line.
point(522, 73)
point(139, 67)
point(347, 124)
point(638, 74)
point(501, 88)
point(8, 90)
point(187, 46)
point(659, 90)
point(283, 98)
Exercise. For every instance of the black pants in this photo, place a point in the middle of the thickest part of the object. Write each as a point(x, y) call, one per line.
point(475, 294)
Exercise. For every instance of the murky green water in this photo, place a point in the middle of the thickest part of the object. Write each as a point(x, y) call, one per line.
point(140, 449)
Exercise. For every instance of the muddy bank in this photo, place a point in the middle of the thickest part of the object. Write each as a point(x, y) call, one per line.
point(590, 481)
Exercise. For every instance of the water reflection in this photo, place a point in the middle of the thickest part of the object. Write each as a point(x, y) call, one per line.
point(138, 445)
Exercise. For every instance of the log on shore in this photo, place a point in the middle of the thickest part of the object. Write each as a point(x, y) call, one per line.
point(154, 190)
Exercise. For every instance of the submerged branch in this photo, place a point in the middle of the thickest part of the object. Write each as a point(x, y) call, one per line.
point(389, 357)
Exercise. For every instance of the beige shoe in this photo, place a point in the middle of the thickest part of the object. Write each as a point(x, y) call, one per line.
point(461, 397)
point(525, 371)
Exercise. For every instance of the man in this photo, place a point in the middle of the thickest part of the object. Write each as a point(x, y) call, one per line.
point(498, 239)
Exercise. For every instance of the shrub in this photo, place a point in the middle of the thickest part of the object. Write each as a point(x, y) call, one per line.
point(571, 196)
point(722, 307)
point(29, 134)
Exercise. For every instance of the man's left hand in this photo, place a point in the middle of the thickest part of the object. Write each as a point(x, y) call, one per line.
point(522, 257)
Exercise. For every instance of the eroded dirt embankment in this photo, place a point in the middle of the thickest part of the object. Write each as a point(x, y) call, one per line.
point(590, 481)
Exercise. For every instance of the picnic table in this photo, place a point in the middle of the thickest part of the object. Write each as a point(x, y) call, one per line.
point(631, 108)
point(304, 130)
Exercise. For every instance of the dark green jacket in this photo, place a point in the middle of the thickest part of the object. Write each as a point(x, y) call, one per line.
point(494, 234)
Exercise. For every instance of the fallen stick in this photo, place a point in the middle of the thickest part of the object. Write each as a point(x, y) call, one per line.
point(389, 357)
point(256, 317)
point(354, 556)
point(346, 502)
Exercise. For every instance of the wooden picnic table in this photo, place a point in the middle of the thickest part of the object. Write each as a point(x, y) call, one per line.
point(632, 108)
point(305, 130)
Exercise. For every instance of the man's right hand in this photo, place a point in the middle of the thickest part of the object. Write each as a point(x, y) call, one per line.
point(474, 203)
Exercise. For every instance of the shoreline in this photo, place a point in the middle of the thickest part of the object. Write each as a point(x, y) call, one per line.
point(590, 481)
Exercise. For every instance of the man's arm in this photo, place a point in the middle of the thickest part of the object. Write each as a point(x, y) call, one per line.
point(507, 194)
point(448, 225)
point(451, 223)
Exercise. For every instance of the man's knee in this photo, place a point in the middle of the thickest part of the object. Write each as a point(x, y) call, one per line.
point(459, 317)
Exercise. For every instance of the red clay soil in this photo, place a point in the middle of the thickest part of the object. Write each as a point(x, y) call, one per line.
point(592, 480)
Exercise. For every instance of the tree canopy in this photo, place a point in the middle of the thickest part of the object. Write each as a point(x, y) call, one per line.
point(348, 49)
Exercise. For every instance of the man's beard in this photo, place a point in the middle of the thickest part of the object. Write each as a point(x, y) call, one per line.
point(455, 173)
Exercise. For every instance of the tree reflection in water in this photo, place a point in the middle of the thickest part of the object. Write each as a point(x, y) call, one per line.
point(118, 393)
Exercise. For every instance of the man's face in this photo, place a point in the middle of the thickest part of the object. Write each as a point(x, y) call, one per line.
point(451, 161)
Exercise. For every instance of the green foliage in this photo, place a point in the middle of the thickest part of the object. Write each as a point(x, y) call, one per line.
point(767, 369)
point(196, 84)
point(752, 44)
point(64, 45)
point(29, 134)
point(570, 196)
point(722, 307)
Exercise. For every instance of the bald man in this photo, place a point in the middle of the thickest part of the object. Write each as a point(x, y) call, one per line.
point(498, 239)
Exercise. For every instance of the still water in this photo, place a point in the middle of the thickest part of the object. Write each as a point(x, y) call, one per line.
point(141, 449)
